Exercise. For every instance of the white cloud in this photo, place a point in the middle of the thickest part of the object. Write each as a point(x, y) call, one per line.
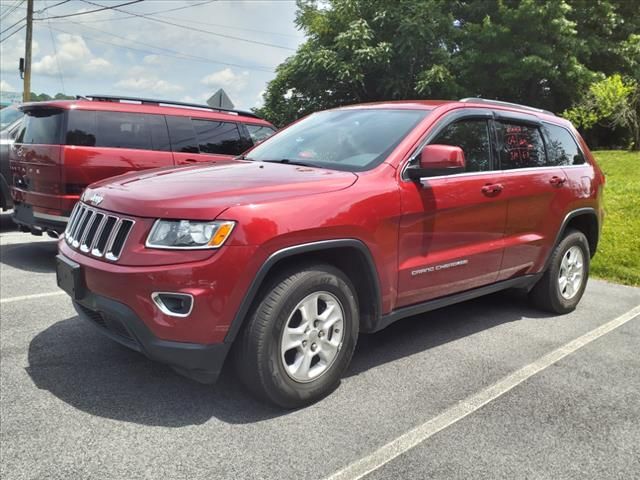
point(152, 60)
point(149, 84)
point(6, 87)
point(227, 79)
point(72, 57)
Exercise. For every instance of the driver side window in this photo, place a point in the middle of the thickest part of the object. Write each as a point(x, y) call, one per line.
point(472, 136)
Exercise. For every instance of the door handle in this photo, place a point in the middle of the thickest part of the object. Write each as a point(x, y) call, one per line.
point(190, 160)
point(557, 181)
point(491, 189)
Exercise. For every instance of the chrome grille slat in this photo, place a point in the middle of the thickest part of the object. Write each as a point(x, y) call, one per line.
point(96, 237)
point(97, 233)
point(105, 233)
point(90, 235)
point(87, 227)
point(74, 213)
point(77, 234)
point(78, 218)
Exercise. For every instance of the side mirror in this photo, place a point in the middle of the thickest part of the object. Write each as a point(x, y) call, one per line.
point(437, 160)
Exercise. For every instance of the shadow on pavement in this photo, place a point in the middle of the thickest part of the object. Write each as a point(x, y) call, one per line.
point(95, 375)
point(38, 257)
point(6, 224)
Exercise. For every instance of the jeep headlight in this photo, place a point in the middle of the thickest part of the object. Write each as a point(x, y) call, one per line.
point(188, 234)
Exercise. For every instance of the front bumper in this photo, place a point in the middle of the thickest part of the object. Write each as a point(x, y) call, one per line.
point(199, 362)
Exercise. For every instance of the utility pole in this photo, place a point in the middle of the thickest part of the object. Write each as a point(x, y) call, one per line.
point(26, 93)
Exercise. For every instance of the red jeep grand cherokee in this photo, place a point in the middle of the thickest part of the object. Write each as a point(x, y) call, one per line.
point(63, 146)
point(344, 222)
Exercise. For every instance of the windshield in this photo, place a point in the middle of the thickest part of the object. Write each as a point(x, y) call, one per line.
point(352, 140)
point(8, 115)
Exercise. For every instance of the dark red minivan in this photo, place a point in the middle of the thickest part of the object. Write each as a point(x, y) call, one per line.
point(63, 146)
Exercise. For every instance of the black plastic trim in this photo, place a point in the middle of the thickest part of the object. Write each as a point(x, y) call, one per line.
point(519, 282)
point(23, 216)
point(571, 215)
point(199, 362)
point(274, 258)
point(6, 202)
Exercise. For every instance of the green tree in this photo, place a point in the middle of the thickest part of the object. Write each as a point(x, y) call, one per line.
point(361, 51)
point(522, 51)
point(612, 101)
point(544, 53)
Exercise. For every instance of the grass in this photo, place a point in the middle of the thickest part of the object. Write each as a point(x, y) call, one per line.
point(618, 255)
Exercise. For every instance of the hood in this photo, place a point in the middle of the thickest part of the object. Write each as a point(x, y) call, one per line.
point(204, 191)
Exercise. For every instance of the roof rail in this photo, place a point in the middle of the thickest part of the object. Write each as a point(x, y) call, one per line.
point(505, 104)
point(169, 103)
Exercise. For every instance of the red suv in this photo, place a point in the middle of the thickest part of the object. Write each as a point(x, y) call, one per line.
point(63, 146)
point(342, 223)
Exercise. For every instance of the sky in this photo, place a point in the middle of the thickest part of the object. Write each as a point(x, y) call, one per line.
point(230, 44)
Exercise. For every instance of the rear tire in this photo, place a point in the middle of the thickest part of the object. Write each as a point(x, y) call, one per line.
point(562, 285)
point(299, 337)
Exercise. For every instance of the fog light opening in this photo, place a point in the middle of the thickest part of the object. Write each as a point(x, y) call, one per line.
point(173, 304)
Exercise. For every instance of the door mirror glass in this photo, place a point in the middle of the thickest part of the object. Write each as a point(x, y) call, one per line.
point(437, 160)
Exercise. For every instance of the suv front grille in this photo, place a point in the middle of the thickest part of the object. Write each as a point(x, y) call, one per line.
point(100, 234)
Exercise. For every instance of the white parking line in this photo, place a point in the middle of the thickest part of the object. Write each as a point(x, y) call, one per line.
point(412, 438)
point(29, 297)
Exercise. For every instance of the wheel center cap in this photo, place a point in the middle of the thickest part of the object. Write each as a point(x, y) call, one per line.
point(313, 335)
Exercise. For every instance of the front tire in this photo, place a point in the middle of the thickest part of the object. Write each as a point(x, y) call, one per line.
point(562, 285)
point(300, 337)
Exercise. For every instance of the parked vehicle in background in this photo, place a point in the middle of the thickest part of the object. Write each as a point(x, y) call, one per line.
point(342, 223)
point(9, 115)
point(7, 137)
point(63, 146)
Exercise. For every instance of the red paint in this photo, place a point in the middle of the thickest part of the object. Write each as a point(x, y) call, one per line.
point(427, 238)
point(51, 178)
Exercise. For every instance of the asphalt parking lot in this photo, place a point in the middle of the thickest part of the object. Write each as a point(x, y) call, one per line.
point(76, 405)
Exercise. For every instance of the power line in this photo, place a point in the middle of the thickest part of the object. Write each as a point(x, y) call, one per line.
point(12, 9)
point(12, 33)
point(131, 15)
point(115, 7)
point(55, 51)
point(52, 6)
point(157, 20)
point(173, 54)
point(9, 28)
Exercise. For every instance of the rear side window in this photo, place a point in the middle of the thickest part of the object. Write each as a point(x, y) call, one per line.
point(473, 137)
point(259, 133)
point(219, 137)
point(123, 130)
point(117, 130)
point(562, 149)
point(41, 126)
point(520, 146)
point(183, 135)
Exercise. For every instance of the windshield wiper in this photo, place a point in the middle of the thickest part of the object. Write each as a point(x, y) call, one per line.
point(290, 162)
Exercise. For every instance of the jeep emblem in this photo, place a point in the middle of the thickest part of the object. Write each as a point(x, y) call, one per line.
point(96, 199)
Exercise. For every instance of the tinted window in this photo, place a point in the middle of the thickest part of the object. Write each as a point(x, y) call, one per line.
point(354, 139)
point(117, 130)
point(159, 132)
point(183, 136)
point(81, 128)
point(520, 146)
point(473, 137)
point(561, 147)
point(41, 126)
point(219, 137)
point(259, 133)
point(123, 130)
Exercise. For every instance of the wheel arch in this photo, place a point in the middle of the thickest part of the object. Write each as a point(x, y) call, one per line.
point(584, 220)
point(351, 256)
